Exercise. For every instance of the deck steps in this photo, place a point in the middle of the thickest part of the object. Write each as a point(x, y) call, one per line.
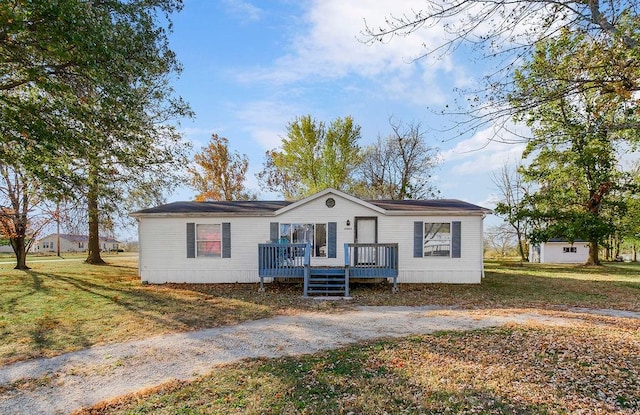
point(327, 282)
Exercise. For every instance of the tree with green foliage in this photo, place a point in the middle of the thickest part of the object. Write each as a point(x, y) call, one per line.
point(399, 166)
point(577, 142)
point(313, 157)
point(49, 49)
point(219, 173)
point(133, 177)
point(85, 98)
point(630, 223)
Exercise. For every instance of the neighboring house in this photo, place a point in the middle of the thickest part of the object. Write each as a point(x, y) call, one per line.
point(218, 242)
point(73, 243)
point(559, 251)
point(6, 249)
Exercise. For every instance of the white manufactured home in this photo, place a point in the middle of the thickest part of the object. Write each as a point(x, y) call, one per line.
point(411, 241)
point(559, 251)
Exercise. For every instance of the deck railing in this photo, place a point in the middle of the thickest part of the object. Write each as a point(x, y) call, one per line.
point(371, 261)
point(285, 260)
point(282, 260)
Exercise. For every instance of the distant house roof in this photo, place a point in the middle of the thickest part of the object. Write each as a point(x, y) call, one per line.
point(564, 240)
point(78, 238)
point(269, 208)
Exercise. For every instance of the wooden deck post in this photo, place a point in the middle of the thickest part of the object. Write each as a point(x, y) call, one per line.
point(307, 266)
point(347, 261)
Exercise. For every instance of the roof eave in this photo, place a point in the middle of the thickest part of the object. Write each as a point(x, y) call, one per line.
point(438, 212)
point(200, 214)
point(326, 192)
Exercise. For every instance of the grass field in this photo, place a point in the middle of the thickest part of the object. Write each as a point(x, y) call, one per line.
point(68, 305)
point(593, 367)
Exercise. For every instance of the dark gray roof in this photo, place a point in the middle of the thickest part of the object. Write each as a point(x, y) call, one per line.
point(246, 206)
point(431, 205)
point(265, 207)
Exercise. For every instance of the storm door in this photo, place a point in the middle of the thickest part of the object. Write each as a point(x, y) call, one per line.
point(366, 232)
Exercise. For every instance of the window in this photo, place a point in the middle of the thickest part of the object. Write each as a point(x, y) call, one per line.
point(81, 245)
point(437, 239)
point(569, 249)
point(301, 233)
point(45, 245)
point(209, 241)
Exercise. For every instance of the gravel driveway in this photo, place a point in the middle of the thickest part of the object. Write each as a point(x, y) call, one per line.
point(64, 383)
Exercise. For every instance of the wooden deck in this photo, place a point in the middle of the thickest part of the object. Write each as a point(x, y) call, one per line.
point(284, 260)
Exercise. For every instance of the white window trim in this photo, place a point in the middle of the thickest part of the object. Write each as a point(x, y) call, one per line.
point(207, 240)
point(289, 237)
point(424, 240)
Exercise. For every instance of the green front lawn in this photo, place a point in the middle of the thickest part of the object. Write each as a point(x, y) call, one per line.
point(68, 305)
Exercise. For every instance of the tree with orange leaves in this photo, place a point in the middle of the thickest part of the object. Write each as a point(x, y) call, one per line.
point(219, 174)
point(19, 220)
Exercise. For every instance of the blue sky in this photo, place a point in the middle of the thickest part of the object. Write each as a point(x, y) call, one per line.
point(251, 67)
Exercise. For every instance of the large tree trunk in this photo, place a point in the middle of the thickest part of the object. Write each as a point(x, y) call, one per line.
point(20, 249)
point(93, 256)
point(521, 247)
point(593, 254)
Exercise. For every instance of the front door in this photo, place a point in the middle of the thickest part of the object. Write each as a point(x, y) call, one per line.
point(366, 232)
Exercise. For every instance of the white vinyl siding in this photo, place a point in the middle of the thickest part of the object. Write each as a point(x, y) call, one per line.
point(560, 253)
point(163, 258)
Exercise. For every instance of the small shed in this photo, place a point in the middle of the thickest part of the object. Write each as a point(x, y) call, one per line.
point(559, 251)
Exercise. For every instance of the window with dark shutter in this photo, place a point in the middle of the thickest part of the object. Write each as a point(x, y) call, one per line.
point(418, 237)
point(226, 240)
point(191, 240)
point(456, 239)
point(274, 232)
point(332, 235)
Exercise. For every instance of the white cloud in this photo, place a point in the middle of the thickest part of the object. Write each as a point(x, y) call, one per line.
point(481, 153)
point(330, 45)
point(243, 10)
point(265, 121)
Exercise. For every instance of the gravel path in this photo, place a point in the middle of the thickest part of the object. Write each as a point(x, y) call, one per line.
point(61, 384)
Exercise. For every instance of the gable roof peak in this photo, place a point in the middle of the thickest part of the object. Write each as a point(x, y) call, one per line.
point(325, 192)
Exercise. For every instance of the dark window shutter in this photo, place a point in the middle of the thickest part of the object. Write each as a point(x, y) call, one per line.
point(274, 231)
point(191, 240)
point(418, 239)
point(332, 235)
point(456, 241)
point(226, 240)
